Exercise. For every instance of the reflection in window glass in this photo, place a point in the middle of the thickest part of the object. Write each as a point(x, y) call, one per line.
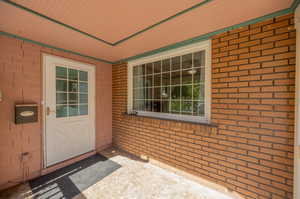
point(73, 86)
point(175, 106)
point(175, 78)
point(157, 67)
point(175, 64)
point(199, 59)
point(187, 76)
point(157, 80)
point(198, 108)
point(166, 65)
point(165, 106)
point(186, 106)
point(156, 106)
point(149, 69)
point(175, 92)
point(187, 61)
point(166, 79)
point(174, 85)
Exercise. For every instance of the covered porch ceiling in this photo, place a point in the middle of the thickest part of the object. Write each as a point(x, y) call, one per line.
point(116, 30)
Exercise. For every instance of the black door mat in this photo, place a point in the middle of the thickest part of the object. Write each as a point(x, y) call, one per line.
point(71, 180)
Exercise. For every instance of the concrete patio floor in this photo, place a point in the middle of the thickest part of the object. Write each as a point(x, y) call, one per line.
point(135, 179)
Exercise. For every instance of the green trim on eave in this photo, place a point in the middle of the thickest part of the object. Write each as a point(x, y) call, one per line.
point(97, 38)
point(208, 35)
point(53, 47)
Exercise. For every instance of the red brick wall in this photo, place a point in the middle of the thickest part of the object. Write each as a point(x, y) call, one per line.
point(251, 150)
point(21, 82)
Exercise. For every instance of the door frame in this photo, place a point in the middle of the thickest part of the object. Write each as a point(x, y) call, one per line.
point(44, 65)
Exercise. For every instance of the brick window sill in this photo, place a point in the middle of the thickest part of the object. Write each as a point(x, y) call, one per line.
point(209, 124)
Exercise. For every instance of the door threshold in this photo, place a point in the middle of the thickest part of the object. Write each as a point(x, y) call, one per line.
point(67, 162)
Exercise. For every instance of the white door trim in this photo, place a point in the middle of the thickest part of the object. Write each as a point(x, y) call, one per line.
point(297, 110)
point(72, 62)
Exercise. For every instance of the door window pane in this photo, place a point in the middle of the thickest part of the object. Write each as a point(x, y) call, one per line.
point(61, 98)
point(61, 85)
point(61, 72)
point(73, 98)
point(61, 111)
point(83, 109)
point(73, 110)
point(73, 74)
point(71, 90)
point(83, 76)
point(83, 98)
point(83, 87)
point(73, 86)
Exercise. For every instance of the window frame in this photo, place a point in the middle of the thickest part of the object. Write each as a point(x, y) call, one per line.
point(195, 47)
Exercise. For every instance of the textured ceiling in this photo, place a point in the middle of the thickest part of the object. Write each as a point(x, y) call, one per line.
point(98, 28)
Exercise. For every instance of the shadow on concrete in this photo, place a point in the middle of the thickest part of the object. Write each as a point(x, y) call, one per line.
point(70, 181)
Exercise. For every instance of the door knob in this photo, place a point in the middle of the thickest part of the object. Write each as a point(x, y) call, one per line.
point(48, 111)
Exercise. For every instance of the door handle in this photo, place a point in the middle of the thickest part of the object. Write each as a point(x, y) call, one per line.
point(48, 111)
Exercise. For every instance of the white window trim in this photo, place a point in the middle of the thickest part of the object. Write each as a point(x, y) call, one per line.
point(203, 45)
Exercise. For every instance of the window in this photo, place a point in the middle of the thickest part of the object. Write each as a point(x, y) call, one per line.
point(173, 85)
point(71, 92)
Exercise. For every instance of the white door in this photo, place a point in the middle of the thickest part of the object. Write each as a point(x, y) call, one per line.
point(69, 94)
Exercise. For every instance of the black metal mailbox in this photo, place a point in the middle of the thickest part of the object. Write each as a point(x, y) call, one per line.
point(26, 113)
